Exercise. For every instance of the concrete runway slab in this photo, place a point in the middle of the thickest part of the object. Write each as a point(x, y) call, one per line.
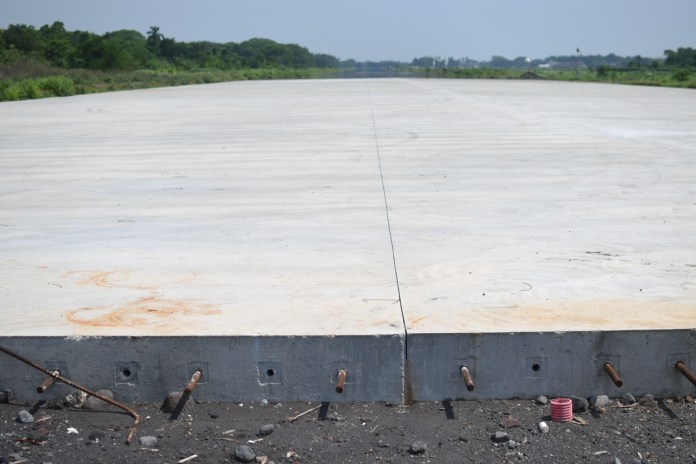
point(271, 233)
point(239, 209)
point(539, 206)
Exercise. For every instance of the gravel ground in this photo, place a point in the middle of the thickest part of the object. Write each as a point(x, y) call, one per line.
point(661, 431)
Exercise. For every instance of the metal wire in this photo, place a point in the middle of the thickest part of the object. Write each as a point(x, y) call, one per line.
point(59, 378)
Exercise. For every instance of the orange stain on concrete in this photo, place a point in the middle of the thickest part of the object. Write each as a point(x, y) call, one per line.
point(147, 311)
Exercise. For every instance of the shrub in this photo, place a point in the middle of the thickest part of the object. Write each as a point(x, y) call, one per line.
point(60, 86)
point(28, 89)
point(602, 70)
point(681, 75)
point(9, 91)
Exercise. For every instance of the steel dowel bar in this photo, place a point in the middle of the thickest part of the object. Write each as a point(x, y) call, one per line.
point(467, 378)
point(195, 378)
point(613, 374)
point(342, 374)
point(130, 411)
point(681, 367)
point(43, 386)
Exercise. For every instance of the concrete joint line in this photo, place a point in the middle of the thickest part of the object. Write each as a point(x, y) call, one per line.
point(386, 209)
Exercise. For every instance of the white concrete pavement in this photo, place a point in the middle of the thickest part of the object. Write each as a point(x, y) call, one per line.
point(210, 226)
point(234, 209)
point(540, 206)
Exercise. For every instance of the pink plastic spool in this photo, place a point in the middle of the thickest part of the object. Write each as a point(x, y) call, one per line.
point(561, 410)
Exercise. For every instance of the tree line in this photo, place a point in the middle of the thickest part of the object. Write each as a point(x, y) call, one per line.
point(682, 58)
point(127, 50)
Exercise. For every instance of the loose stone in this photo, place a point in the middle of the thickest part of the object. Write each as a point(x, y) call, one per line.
point(244, 453)
point(25, 417)
point(580, 404)
point(599, 401)
point(266, 430)
point(76, 399)
point(510, 422)
point(95, 403)
point(418, 447)
point(148, 441)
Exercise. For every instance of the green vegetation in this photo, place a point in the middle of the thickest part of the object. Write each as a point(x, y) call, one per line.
point(678, 69)
point(661, 78)
point(52, 62)
point(75, 82)
point(127, 50)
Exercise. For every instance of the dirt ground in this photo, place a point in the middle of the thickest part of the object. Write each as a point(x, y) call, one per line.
point(457, 431)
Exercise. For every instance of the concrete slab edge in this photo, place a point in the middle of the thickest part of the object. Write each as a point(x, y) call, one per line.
point(234, 368)
point(526, 365)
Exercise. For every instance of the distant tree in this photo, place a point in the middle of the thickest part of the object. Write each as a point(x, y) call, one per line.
point(322, 60)
point(168, 48)
point(521, 62)
point(58, 49)
point(54, 31)
point(96, 52)
point(154, 38)
point(602, 70)
point(681, 75)
point(636, 62)
point(682, 57)
point(500, 62)
point(424, 62)
point(135, 54)
point(24, 38)
point(257, 53)
point(452, 62)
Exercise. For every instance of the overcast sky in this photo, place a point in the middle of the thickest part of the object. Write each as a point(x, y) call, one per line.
point(391, 29)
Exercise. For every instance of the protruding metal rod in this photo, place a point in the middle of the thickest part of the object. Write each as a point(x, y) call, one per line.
point(613, 374)
point(681, 367)
point(195, 378)
point(131, 411)
point(43, 386)
point(342, 374)
point(467, 378)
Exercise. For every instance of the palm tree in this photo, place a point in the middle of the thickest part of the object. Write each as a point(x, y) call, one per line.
point(154, 38)
point(153, 35)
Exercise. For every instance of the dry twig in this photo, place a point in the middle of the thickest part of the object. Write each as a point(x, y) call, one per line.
point(193, 456)
point(292, 419)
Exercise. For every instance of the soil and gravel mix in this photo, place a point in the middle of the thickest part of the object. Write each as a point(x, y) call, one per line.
point(645, 431)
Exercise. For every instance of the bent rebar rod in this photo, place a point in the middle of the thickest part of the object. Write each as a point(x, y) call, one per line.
point(59, 378)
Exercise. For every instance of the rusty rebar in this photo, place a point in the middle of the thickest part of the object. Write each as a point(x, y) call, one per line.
point(43, 386)
point(609, 367)
point(59, 378)
point(340, 383)
point(195, 378)
point(467, 378)
point(681, 367)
